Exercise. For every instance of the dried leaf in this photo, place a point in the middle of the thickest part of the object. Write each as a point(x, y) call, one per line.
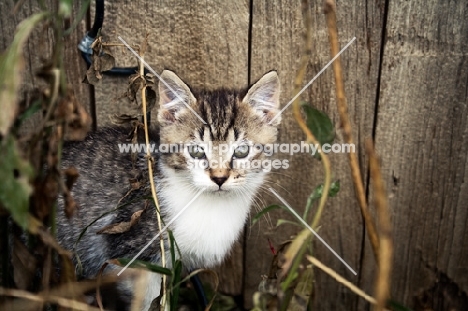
point(97, 45)
point(107, 62)
point(24, 265)
point(150, 99)
point(121, 226)
point(70, 204)
point(52, 154)
point(151, 81)
point(135, 85)
point(45, 195)
point(135, 183)
point(78, 122)
point(124, 119)
point(71, 175)
point(102, 60)
point(92, 77)
point(64, 109)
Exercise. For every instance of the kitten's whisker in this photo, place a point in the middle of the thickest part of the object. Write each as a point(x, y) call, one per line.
point(257, 197)
point(278, 173)
point(259, 208)
point(276, 184)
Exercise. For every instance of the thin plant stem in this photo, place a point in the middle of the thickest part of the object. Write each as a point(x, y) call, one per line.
point(340, 279)
point(298, 116)
point(152, 184)
point(4, 239)
point(383, 279)
point(61, 301)
point(330, 12)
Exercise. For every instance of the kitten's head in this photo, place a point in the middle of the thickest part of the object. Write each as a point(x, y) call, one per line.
point(224, 155)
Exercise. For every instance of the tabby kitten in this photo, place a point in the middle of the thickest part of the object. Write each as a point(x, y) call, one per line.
point(207, 229)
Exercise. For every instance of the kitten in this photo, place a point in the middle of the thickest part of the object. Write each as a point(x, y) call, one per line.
point(207, 229)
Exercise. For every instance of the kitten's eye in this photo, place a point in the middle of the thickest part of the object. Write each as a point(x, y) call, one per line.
point(241, 151)
point(196, 152)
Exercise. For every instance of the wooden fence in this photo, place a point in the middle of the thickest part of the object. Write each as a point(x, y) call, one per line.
point(406, 78)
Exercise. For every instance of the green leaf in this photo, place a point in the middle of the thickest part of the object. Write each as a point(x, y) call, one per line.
point(172, 242)
point(176, 284)
point(293, 257)
point(284, 221)
point(263, 212)
point(306, 281)
point(31, 110)
point(334, 189)
point(11, 66)
point(144, 265)
point(319, 124)
point(394, 305)
point(174, 248)
point(14, 187)
point(317, 194)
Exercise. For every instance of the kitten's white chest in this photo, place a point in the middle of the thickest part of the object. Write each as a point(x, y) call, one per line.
point(208, 227)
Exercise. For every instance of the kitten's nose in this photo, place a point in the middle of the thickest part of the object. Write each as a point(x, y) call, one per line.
point(219, 180)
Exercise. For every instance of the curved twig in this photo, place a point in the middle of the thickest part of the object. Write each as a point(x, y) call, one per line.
point(298, 116)
point(330, 12)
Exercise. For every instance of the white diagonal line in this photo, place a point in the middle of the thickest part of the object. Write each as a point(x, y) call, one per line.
point(311, 230)
point(313, 79)
point(159, 233)
point(160, 79)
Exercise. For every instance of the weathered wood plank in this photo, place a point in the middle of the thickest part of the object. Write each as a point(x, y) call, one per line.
point(277, 42)
point(75, 66)
point(422, 135)
point(39, 48)
point(205, 44)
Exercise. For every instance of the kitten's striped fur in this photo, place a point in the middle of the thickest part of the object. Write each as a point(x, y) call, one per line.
point(206, 231)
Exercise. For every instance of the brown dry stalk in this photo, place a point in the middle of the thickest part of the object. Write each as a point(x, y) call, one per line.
point(297, 110)
point(330, 12)
point(61, 301)
point(383, 279)
point(151, 179)
point(341, 279)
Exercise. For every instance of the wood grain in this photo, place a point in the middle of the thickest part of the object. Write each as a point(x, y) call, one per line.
point(39, 48)
point(422, 135)
point(277, 41)
point(206, 45)
point(406, 80)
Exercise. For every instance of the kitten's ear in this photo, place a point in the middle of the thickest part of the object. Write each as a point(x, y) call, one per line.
point(264, 96)
point(174, 94)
